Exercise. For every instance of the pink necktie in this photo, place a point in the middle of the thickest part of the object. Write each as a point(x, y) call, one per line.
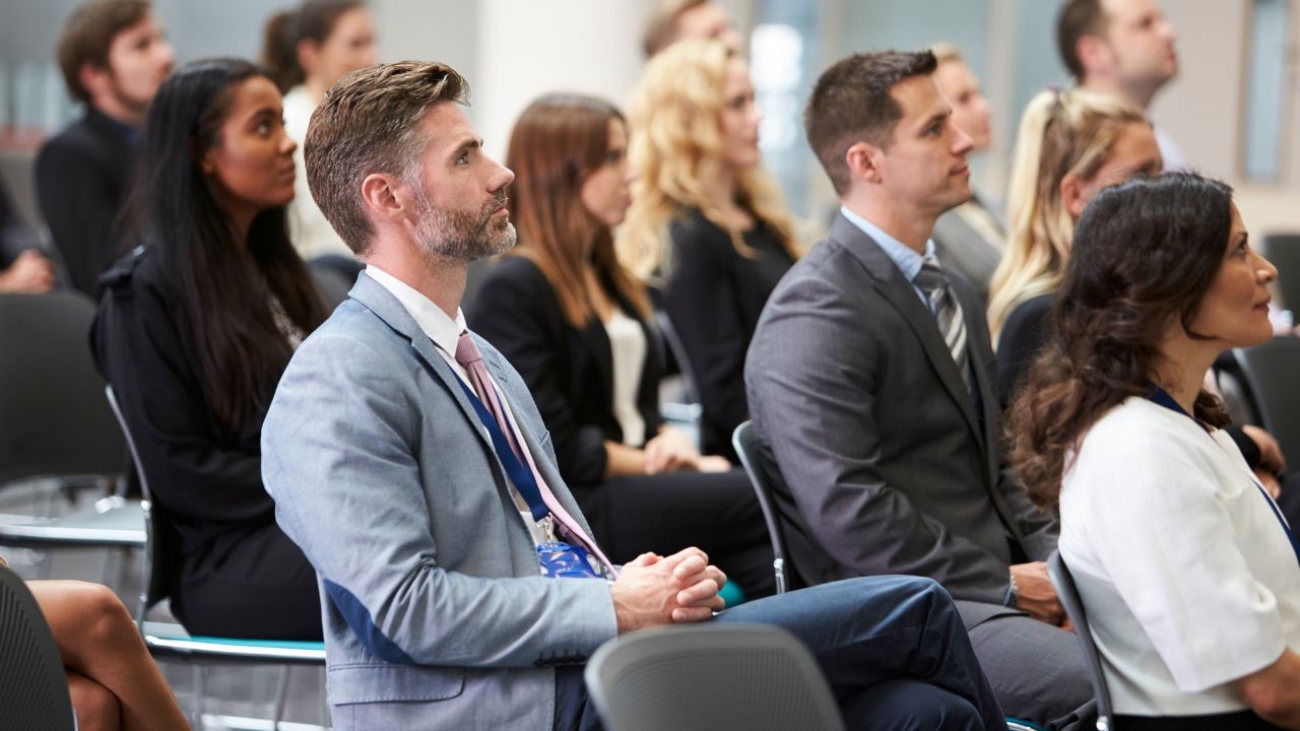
point(468, 357)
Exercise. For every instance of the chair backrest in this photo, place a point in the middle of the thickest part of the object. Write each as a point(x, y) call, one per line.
point(710, 676)
point(745, 442)
point(162, 554)
point(52, 419)
point(33, 687)
point(1069, 596)
point(1270, 371)
point(1283, 249)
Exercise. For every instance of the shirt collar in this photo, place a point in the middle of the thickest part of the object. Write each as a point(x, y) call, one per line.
point(903, 256)
point(442, 330)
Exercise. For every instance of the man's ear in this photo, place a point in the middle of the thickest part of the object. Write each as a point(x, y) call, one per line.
point(1074, 195)
point(94, 79)
point(864, 160)
point(1094, 53)
point(386, 196)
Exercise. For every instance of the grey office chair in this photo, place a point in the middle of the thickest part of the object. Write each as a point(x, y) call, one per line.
point(745, 442)
point(1069, 595)
point(33, 687)
point(1270, 372)
point(709, 677)
point(53, 423)
point(168, 640)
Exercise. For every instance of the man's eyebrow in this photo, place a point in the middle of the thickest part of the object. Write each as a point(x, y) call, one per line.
point(467, 145)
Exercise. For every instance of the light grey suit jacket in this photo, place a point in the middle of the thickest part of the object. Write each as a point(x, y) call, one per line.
point(889, 466)
point(436, 615)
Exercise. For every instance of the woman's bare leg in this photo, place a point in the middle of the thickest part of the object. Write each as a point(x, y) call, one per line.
point(96, 706)
point(98, 639)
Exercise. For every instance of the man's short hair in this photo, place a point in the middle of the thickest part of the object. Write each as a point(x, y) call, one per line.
point(88, 35)
point(851, 103)
point(1078, 18)
point(371, 122)
point(661, 26)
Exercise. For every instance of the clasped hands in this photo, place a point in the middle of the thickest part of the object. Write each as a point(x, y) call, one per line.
point(671, 450)
point(653, 590)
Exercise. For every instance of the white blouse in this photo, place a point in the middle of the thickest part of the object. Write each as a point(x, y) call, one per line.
point(311, 232)
point(1186, 572)
point(627, 340)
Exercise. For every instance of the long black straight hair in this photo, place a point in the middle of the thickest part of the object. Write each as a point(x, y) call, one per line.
point(227, 294)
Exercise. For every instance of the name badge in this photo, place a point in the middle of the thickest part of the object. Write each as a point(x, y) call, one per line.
point(561, 560)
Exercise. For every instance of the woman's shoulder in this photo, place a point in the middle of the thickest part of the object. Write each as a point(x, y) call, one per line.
point(140, 272)
point(512, 283)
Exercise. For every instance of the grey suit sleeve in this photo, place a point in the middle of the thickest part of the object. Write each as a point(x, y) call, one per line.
point(340, 447)
point(813, 390)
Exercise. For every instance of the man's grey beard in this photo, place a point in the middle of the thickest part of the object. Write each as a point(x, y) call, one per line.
point(463, 235)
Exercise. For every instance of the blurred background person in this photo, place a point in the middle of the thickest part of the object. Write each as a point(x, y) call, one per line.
point(678, 20)
point(1187, 568)
point(1071, 144)
point(195, 328)
point(23, 268)
point(579, 329)
point(307, 49)
point(113, 56)
point(708, 226)
point(969, 238)
point(1124, 49)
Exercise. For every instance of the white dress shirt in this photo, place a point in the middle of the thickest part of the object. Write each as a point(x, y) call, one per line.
point(1187, 574)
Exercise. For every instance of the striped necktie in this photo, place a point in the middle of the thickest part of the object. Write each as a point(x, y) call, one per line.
point(947, 311)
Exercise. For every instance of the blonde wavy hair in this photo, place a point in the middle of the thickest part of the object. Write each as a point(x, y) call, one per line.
point(677, 148)
point(1062, 134)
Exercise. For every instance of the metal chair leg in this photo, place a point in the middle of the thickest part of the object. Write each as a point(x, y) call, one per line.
point(281, 696)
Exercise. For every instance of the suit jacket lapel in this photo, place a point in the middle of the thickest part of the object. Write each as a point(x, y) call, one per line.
point(595, 340)
point(380, 301)
point(889, 281)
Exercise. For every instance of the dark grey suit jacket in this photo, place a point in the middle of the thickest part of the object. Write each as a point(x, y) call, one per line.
point(890, 467)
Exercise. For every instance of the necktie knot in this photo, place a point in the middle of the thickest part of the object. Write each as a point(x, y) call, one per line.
point(932, 280)
point(466, 351)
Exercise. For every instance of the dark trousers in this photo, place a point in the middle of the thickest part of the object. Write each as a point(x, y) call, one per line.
point(717, 512)
point(257, 585)
point(892, 647)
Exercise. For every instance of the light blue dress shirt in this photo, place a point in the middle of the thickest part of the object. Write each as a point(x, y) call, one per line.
point(904, 257)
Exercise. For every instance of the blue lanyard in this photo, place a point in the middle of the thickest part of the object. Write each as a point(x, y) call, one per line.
point(520, 474)
point(1160, 396)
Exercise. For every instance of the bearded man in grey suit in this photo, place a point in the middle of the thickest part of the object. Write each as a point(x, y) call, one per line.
point(461, 585)
point(870, 386)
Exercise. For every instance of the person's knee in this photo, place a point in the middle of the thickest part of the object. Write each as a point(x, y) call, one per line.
point(909, 705)
point(103, 617)
point(96, 707)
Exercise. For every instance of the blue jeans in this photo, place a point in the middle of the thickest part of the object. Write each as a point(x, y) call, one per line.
point(893, 648)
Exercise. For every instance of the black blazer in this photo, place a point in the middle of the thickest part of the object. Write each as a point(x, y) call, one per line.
point(82, 180)
point(569, 371)
point(1023, 336)
point(714, 297)
point(208, 479)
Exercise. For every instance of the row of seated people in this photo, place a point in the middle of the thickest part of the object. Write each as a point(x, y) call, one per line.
point(220, 355)
point(258, 204)
point(195, 329)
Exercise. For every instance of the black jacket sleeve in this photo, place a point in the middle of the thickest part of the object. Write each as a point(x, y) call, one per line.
point(79, 198)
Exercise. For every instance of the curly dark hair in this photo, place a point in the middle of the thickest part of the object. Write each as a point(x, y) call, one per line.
point(1145, 253)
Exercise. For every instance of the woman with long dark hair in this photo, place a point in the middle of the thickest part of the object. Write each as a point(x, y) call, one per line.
point(1190, 574)
point(578, 328)
point(194, 331)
